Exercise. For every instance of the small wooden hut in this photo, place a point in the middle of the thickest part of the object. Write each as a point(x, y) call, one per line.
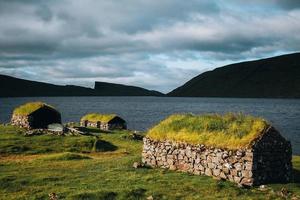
point(103, 121)
point(35, 115)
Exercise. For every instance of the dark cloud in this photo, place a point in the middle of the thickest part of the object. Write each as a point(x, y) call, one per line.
point(288, 4)
point(153, 44)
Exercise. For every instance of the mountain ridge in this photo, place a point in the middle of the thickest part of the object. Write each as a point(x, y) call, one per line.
point(16, 87)
point(275, 77)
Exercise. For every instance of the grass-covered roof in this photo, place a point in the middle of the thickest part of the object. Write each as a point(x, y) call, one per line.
point(230, 131)
point(95, 117)
point(28, 108)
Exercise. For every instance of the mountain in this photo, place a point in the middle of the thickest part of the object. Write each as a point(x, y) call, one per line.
point(276, 77)
point(15, 87)
point(112, 89)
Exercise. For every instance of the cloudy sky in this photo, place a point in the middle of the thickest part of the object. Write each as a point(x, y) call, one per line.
point(156, 44)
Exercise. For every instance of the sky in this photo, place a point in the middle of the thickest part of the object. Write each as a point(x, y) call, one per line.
point(155, 44)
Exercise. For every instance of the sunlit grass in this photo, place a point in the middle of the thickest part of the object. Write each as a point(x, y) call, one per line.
point(230, 131)
point(12, 141)
point(110, 175)
point(65, 156)
point(28, 108)
point(95, 117)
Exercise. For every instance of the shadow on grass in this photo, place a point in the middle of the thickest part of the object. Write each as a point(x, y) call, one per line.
point(296, 176)
point(135, 194)
point(96, 196)
point(88, 130)
point(102, 146)
point(91, 130)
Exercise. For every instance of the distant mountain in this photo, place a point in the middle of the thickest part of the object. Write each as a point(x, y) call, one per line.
point(15, 87)
point(112, 89)
point(276, 77)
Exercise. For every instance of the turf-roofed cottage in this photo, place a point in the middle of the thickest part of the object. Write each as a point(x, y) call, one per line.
point(240, 148)
point(103, 121)
point(35, 115)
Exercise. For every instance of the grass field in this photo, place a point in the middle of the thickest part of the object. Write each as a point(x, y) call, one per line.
point(108, 174)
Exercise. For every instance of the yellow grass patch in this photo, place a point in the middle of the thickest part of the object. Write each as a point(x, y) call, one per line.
point(95, 117)
point(230, 131)
point(28, 108)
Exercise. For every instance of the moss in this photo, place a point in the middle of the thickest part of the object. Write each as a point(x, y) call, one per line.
point(230, 131)
point(95, 117)
point(29, 108)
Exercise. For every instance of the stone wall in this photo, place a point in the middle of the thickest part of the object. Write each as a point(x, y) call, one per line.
point(244, 167)
point(102, 126)
point(21, 121)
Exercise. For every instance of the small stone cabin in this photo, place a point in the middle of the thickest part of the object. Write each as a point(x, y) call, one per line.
point(35, 115)
point(103, 121)
point(242, 149)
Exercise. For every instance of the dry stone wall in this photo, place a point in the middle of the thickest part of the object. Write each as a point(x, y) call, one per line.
point(102, 126)
point(243, 166)
point(21, 121)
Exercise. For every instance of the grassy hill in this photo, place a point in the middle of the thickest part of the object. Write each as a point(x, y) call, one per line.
point(276, 77)
point(15, 87)
point(108, 174)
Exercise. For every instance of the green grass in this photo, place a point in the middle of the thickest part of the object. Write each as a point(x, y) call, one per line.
point(110, 175)
point(95, 117)
point(12, 143)
point(231, 131)
point(30, 107)
point(65, 156)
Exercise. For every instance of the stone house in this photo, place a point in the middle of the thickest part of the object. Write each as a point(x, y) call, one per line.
point(35, 115)
point(103, 121)
point(266, 158)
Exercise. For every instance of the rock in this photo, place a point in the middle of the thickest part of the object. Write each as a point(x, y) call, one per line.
point(237, 179)
point(150, 197)
point(247, 173)
point(263, 187)
point(136, 136)
point(216, 172)
point(284, 192)
point(53, 196)
point(228, 166)
point(173, 167)
point(247, 181)
point(223, 176)
point(211, 165)
point(137, 165)
point(208, 172)
point(239, 153)
point(238, 166)
point(56, 127)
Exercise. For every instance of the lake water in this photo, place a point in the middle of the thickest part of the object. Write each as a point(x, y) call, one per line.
point(143, 112)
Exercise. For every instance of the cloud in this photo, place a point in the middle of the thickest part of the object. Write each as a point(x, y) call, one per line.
point(152, 44)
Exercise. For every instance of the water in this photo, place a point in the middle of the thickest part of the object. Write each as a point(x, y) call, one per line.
point(143, 112)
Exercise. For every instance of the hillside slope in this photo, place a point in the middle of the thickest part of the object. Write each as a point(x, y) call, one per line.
point(276, 77)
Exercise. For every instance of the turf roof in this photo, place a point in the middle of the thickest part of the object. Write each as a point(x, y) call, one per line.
point(230, 131)
point(28, 108)
point(95, 117)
